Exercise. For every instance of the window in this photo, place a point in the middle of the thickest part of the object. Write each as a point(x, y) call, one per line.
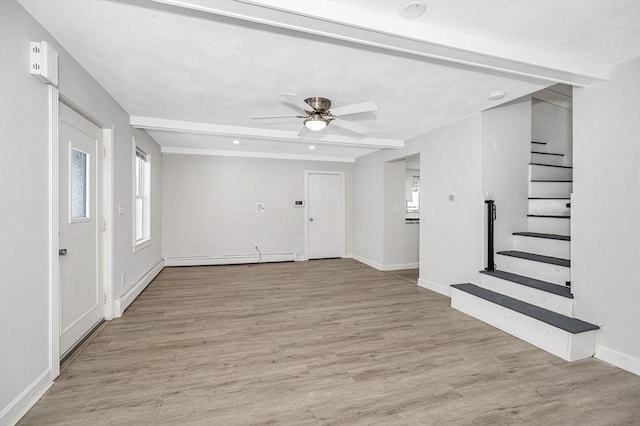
point(79, 185)
point(142, 205)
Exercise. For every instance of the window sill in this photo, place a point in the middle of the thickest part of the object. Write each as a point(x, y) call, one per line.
point(141, 244)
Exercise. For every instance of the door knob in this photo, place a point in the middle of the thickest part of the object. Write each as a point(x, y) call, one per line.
point(310, 219)
point(62, 252)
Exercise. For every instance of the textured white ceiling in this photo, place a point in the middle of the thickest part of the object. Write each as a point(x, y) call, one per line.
point(167, 62)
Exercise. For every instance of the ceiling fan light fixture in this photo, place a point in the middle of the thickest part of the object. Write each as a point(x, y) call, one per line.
point(316, 122)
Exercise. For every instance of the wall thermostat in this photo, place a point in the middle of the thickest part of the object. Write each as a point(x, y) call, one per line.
point(298, 203)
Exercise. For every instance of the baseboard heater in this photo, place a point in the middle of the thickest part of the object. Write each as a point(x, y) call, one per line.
point(230, 259)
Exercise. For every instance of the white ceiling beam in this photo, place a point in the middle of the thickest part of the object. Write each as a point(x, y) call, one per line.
point(248, 154)
point(162, 124)
point(287, 14)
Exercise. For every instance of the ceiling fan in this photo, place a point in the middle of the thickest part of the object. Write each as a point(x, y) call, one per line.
point(318, 113)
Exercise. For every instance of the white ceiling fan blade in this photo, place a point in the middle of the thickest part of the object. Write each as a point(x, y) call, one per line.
point(276, 116)
point(297, 101)
point(354, 108)
point(303, 131)
point(357, 128)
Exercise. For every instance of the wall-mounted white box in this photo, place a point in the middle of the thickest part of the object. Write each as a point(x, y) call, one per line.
point(44, 62)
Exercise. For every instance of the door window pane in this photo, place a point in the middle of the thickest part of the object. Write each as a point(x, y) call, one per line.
point(79, 184)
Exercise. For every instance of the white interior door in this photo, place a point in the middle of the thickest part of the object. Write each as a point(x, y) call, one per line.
point(80, 287)
point(325, 207)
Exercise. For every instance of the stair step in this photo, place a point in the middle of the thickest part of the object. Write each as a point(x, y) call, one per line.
point(549, 165)
point(549, 198)
point(547, 158)
point(550, 180)
point(550, 189)
point(568, 338)
point(540, 243)
point(547, 153)
point(539, 143)
point(531, 282)
point(554, 216)
point(537, 258)
point(548, 206)
point(548, 225)
point(543, 235)
point(549, 171)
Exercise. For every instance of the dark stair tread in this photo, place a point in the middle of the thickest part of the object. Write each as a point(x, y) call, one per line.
point(554, 216)
point(550, 165)
point(549, 198)
point(539, 143)
point(547, 153)
point(571, 325)
point(551, 180)
point(536, 257)
point(532, 282)
point(542, 235)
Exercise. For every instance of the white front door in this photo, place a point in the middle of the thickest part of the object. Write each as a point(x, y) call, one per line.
point(80, 288)
point(325, 204)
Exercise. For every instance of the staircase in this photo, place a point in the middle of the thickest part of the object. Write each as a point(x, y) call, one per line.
point(530, 295)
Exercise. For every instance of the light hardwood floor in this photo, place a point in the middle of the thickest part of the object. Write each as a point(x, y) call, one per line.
point(315, 343)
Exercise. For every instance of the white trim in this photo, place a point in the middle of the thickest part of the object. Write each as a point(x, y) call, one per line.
point(108, 285)
point(306, 209)
point(619, 359)
point(445, 290)
point(229, 259)
point(273, 155)
point(162, 124)
point(317, 19)
point(368, 262)
point(17, 408)
point(554, 98)
point(400, 266)
point(123, 302)
point(54, 236)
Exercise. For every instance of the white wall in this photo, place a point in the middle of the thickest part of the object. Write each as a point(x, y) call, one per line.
point(605, 261)
point(506, 153)
point(24, 203)
point(401, 239)
point(451, 237)
point(451, 232)
point(553, 124)
point(209, 205)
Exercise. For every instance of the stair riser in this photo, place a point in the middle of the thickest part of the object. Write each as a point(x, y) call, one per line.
point(549, 225)
point(565, 345)
point(549, 207)
point(542, 271)
point(550, 189)
point(542, 172)
point(543, 246)
point(553, 302)
point(555, 160)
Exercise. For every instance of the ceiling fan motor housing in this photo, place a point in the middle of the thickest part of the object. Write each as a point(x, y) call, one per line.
point(318, 104)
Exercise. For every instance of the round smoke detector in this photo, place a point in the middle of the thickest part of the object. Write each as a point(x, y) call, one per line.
point(412, 10)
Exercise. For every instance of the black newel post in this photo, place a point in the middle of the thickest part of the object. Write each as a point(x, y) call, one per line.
point(491, 217)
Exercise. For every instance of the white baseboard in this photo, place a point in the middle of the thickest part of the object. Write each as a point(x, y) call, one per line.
point(619, 359)
point(122, 303)
point(400, 266)
point(445, 290)
point(368, 262)
point(229, 259)
point(12, 413)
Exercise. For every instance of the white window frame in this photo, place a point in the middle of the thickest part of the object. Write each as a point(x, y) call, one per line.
point(141, 206)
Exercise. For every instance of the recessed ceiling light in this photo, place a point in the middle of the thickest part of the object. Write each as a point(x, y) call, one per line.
point(412, 10)
point(496, 96)
point(236, 142)
point(312, 147)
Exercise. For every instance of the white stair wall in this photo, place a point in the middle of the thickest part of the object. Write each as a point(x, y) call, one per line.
point(546, 172)
point(555, 160)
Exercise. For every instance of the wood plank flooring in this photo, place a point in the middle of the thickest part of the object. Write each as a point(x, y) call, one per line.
point(326, 342)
